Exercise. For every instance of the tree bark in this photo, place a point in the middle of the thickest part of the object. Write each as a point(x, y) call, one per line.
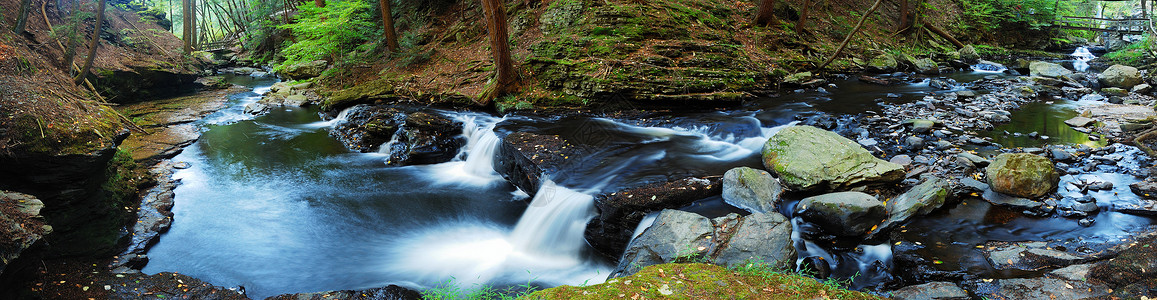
point(903, 14)
point(850, 34)
point(388, 26)
point(319, 3)
point(799, 24)
point(187, 25)
point(766, 12)
point(95, 42)
point(22, 16)
point(944, 34)
point(500, 46)
point(193, 22)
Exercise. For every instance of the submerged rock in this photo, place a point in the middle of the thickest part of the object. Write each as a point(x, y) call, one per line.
point(845, 214)
point(1145, 189)
point(621, 211)
point(1022, 175)
point(1120, 76)
point(751, 190)
point(808, 158)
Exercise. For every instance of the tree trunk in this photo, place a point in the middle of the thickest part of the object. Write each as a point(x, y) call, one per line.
point(766, 13)
point(187, 25)
point(903, 14)
point(319, 3)
point(193, 22)
point(93, 44)
point(799, 24)
point(850, 34)
point(22, 16)
point(388, 26)
point(500, 46)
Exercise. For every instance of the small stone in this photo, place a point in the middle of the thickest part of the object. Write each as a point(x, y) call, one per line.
point(903, 160)
point(1086, 222)
point(1086, 207)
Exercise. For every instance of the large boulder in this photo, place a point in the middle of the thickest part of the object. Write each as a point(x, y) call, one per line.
point(761, 237)
point(751, 190)
point(844, 214)
point(675, 234)
point(621, 211)
point(1120, 76)
point(1022, 175)
point(1047, 69)
point(304, 70)
point(807, 158)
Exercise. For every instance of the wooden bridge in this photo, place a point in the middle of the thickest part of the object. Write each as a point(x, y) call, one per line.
point(217, 46)
point(1128, 25)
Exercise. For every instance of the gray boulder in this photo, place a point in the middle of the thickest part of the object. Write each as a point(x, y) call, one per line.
point(846, 214)
point(969, 54)
point(883, 63)
point(1022, 175)
point(761, 237)
point(675, 234)
point(1046, 69)
point(1120, 76)
point(921, 200)
point(752, 190)
point(808, 158)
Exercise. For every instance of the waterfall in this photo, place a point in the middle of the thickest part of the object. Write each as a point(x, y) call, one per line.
point(341, 118)
point(1081, 57)
point(481, 145)
point(553, 224)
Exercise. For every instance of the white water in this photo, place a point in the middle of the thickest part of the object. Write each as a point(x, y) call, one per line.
point(546, 245)
point(341, 118)
point(1081, 57)
point(235, 112)
point(481, 144)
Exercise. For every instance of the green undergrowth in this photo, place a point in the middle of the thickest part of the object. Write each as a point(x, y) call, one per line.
point(1136, 54)
point(75, 133)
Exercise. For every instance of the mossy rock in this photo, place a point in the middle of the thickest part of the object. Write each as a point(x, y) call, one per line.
point(703, 281)
point(807, 158)
point(366, 92)
point(1022, 175)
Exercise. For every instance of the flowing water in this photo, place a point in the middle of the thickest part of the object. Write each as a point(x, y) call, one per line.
point(277, 205)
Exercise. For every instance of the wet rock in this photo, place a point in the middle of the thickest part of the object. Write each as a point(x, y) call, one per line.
point(1046, 69)
point(1012, 201)
point(1080, 121)
point(913, 143)
point(1120, 76)
point(1040, 288)
point(620, 212)
point(1061, 155)
point(391, 292)
point(1143, 88)
point(920, 200)
point(903, 160)
point(257, 108)
point(973, 185)
point(966, 93)
point(846, 214)
point(154, 217)
point(806, 158)
point(304, 70)
point(1029, 256)
point(675, 234)
point(426, 138)
point(172, 285)
point(921, 125)
point(1139, 260)
point(752, 190)
point(760, 237)
point(931, 290)
point(367, 127)
point(296, 100)
point(798, 78)
point(525, 157)
point(1022, 175)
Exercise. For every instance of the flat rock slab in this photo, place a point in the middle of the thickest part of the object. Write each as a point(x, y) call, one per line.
point(154, 217)
point(168, 123)
point(1039, 255)
point(1079, 121)
point(21, 225)
point(931, 290)
point(1142, 207)
point(1117, 112)
point(1040, 288)
point(1011, 201)
point(166, 286)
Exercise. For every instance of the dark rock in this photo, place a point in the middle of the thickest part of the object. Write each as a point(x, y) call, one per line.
point(1145, 189)
point(22, 230)
point(391, 292)
point(426, 138)
point(1142, 207)
point(154, 217)
point(913, 143)
point(1011, 201)
point(525, 157)
point(1137, 261)
point(1061, 155)
point(931, 290)
point(752, 190)
point(846, 214)
point(134, 286)
point(1040, 288)
point(367, 127)
point(620, 212)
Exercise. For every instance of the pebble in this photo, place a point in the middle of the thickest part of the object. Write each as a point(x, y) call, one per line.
point(1086, 222)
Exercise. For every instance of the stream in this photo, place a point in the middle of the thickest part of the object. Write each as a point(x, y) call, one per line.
point(275, 204)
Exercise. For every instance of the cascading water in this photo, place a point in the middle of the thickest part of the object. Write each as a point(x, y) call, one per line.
point(482, 143)
point(1081, 58)
point(553, 224)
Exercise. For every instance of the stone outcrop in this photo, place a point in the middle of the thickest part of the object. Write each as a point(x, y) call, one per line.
point(807, 158)
point(620, 212)
point(752, 190)
point(304, 70)
point(1120, 76)
point(22, 230)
